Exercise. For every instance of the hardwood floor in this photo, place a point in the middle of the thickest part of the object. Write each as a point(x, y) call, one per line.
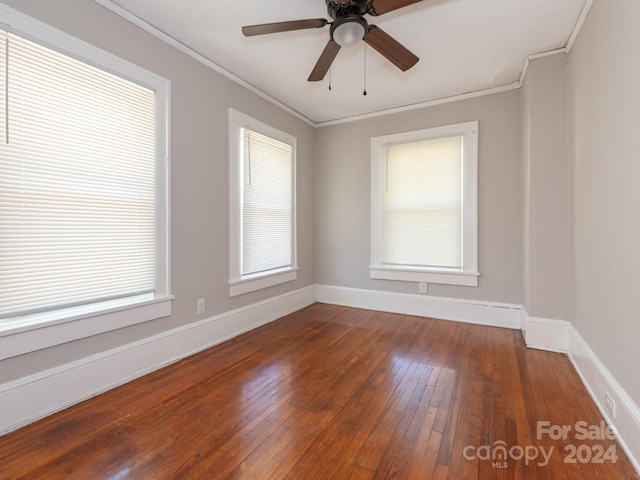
point(334, 393)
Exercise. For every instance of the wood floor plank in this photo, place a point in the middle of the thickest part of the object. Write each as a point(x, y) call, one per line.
point(328, 393)
point(329, 446)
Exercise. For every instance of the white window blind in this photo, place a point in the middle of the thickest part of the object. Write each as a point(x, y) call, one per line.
point(422, 204)
point(267, 209)
point(77, 182)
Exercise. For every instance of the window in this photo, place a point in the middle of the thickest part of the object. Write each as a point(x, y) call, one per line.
point(83, 188)
point(262, 199)
point(424, 219)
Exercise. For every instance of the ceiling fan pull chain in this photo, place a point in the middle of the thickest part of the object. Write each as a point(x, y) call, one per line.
point(364, 92)
point(329, 79)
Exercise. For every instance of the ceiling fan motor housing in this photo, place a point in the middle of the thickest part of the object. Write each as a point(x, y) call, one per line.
point(337, 9)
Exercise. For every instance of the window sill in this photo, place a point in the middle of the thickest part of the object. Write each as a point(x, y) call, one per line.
point(258, 282)
point(442, 276)
point(35, 332)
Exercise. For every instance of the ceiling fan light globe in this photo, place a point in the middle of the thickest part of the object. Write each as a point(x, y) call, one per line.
point(348, 34)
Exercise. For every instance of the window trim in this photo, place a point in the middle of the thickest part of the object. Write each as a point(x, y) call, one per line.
point(468, 274)
point(47, 329)
point(240, 284)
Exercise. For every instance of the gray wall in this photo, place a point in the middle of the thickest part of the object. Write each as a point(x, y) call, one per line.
point(343, 194)
point(604, 75)
point(199, 176)
point(546, 188)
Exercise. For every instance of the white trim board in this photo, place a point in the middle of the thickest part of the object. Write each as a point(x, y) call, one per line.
point(600, 382)
point(566, 49)
point(425, 104)
point(576, 30)
point(31, 398)
point(544, 333)
point(469, 311)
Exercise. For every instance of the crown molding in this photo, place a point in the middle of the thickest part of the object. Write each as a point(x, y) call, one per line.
point(130, 17)
point(579, 23)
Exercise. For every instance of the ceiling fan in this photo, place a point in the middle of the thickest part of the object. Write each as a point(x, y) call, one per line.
point(347, 28)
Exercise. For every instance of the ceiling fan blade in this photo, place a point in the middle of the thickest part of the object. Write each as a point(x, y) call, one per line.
point(324, 62)
point(390, 48)
point(380, 7)
point(251, 30)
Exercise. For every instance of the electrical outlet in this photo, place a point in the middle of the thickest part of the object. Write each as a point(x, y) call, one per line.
point(200, 306)
point(610, 403)
point(422, 288)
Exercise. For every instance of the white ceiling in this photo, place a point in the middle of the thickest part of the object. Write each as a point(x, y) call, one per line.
point(464, 46)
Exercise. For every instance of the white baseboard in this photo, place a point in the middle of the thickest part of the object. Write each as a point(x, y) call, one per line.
point(545, 334)
point(469, 311)
point(599, 381)
point(31, 398)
